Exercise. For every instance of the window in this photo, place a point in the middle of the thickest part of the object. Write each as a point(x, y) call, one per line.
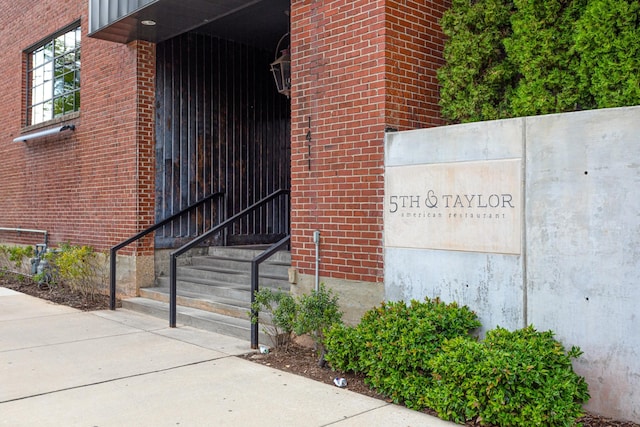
point(53, 76)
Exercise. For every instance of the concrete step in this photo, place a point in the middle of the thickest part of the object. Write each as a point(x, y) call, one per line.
point(233, 307)
point(212, 288)
point(215, 288)
point(219, 284)
point(201, 319)
point(230, 276)
point(248, 253)
point(228, 265)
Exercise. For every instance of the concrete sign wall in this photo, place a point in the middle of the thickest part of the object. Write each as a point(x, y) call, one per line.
point(567, 259)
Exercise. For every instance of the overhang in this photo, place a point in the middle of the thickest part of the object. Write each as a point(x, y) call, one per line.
point(257, 22)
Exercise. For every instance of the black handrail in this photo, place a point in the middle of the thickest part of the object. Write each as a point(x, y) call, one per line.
point(114, 250)
point(184, 248)
point(255, 274)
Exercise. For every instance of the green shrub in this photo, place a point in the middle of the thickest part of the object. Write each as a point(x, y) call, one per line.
point(541, 47)
point(520, 378)
point(344, 345)
point(14, 255)
point(511, 58)
point(317, 312)
point(393, 344)
point(310, 314)
point(283, 310)
point(78, 267)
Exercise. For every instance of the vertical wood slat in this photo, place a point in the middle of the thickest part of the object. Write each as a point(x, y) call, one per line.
point(221, 126)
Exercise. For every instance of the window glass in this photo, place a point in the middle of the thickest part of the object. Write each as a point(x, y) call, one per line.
point(54, 77)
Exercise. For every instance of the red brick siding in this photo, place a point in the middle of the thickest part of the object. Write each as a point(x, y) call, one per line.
point(357, 67)
point(82, 187)
point(146, 71)
point(414, 46)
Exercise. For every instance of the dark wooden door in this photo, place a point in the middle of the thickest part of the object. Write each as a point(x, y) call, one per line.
point(220, 126)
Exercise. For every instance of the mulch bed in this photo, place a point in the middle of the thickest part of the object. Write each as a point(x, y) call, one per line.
point(297, 359)
point(58, 294)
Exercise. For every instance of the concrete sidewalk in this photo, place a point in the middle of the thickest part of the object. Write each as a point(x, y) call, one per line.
point(63, 367)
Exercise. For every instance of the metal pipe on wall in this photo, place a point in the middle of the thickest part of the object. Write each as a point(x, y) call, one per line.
point(316, 240)
point(27, 230)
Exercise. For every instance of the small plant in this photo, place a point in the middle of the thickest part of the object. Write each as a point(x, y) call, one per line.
point(78, 267)
point(282, 308)
point(317, 312)
point(345, 345)
point(15, 255)
point(393, 344)
point(520, 378)
point(18, 254)
point(4, 257)
point(309, 314)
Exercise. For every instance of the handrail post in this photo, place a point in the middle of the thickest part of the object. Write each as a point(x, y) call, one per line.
point(112, 278)
point(172, 291)
point(255, 278)
point(254, 313)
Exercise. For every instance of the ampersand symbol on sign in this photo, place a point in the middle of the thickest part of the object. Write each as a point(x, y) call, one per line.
point(432, 200)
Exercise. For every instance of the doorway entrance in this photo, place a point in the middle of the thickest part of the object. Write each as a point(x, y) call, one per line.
point(221, 126)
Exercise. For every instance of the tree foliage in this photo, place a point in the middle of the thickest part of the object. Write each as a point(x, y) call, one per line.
point(478, 76)
point(509, 58)
point(541, 48)
point(607, 39)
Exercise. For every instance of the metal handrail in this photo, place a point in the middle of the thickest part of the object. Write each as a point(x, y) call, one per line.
point(184, 248)
point(255, 274)
point(114, 250)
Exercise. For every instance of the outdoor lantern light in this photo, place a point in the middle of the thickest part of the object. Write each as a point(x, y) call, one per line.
point(281, 69)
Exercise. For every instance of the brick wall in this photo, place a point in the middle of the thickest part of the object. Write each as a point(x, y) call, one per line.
point(93, 186)
point(357, 68)
point(145, 89)
point(413, 54)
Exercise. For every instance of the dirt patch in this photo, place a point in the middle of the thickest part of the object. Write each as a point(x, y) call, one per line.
point(297, 359)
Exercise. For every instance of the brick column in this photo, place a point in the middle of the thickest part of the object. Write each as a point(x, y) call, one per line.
point(145, 137)
point(357, 68)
